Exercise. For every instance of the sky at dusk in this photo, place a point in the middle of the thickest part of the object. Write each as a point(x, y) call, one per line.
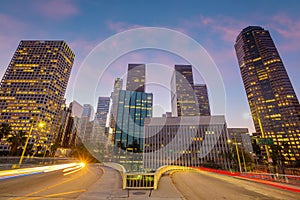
point(213, 24)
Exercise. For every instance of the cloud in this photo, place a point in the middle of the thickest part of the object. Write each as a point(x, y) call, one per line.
point(120, 26)
point(227, 28)
point(286, 26)
point(57, 9)
point(289, 29)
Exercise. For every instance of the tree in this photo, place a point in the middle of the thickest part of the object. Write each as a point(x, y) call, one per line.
point(277, 155)
point(5, 130)
point(17, 140)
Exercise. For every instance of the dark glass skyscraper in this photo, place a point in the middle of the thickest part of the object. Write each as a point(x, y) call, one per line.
point(130, 108)
point(33, 88)
point(202, 97)
point(136, 77)
point(274, 106)
point(133, 108)
point(102, 110)
point(183, 98)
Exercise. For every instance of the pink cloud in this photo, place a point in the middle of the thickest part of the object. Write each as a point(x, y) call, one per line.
point(227, 27)
point(287, 27)
point(9, 24)
point(84, 46)
point(57, 8)
point(120, 26)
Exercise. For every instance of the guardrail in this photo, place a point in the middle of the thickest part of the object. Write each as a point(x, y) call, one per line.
point(160, 171)
point(283, 178)
point(143, 180)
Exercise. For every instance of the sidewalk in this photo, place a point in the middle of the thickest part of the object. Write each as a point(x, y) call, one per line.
point(109, 186)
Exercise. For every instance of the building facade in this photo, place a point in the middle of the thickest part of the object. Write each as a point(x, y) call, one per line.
point(241, 137)
point(202, 97)
point(186, 141)
point(274, 105)
point(118, 85)
point(33, 88)
point(133, 108)
point(87, 116)
point(136, 77)
point(73, 127)
point(183, 99)
point(128, 137)
point(102, 110)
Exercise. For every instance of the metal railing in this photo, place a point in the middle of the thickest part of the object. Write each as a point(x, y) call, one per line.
point(140, 180)
point(283, 178)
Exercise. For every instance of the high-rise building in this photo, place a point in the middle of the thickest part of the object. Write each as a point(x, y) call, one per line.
point(133, 108)
point(183, 99)
point(33, 88)
point(202, 97)
point(102, 110)
point(64, 116)
point(88, 112)
point(128, 138)
point(274, 106)
point(73, 127)
point(86, 117)
point(136, 77)
point(118, 85)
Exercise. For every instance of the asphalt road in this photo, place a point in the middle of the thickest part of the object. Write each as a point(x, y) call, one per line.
point(50, 185)
point(205, 185)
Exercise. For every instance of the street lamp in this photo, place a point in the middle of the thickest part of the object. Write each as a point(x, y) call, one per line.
point(40, 125)
point(237, 153)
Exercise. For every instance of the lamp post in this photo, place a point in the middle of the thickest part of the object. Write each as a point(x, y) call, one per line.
point(40, 125)
point(237, 153)
point(244, 161)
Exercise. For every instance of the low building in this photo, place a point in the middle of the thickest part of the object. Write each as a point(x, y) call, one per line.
point(186, 141)
point(241, 137)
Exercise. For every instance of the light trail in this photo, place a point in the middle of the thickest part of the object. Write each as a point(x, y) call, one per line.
point(6, 174)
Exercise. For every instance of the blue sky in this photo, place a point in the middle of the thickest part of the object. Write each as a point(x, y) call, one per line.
point(213, 24)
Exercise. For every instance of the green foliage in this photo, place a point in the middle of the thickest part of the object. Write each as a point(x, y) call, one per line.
point(5, 130)
point(16, 141)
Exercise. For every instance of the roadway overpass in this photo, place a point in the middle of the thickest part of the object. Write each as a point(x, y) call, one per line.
point(99, 182)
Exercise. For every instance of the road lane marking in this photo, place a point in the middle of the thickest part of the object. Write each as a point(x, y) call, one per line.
point(48, 187)
point(60, 194)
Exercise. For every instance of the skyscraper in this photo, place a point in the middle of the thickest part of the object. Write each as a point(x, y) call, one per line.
point(33, 87)
point(183, 99)
point(129, 110)
point(136, 77)
point(202, 97)
point(133, 108)
point(73, 126)
point(118, 85)
point(88, 111)
point(102, 110)
point(274, 106)
point(86, 117)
